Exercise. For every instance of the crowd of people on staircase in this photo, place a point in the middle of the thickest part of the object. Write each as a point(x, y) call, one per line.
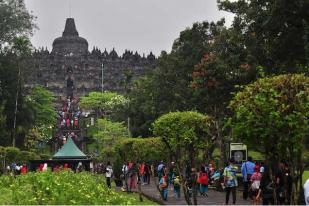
point(69, 121)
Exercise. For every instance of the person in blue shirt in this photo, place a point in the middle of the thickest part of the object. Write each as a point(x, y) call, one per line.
point(247, 169)
point(230, 181)
point(160, 170)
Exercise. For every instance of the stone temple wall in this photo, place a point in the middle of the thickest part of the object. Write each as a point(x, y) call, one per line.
point(71, 64)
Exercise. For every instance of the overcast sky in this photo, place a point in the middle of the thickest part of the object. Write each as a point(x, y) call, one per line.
point(138, 25)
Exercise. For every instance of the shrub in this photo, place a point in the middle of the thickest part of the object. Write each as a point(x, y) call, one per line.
point(63, 188)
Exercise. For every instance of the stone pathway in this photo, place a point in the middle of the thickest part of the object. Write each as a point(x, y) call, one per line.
point(214, 197)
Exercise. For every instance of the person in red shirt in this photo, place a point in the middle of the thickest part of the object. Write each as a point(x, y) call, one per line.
point(75, 122)
point(41, 167)
point(255, 185)
point(142, 172)
point(66, 166)
point(68, 123)
point(23, 169)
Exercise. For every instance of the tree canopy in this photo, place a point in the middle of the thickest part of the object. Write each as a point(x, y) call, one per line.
point(167, 88)
point(188, 130)
point(273, 113)
point(275, 32)
point(103, 102)
point(15, 20)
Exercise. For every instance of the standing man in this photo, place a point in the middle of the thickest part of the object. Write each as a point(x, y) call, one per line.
point(230, 181)
point(160, 170)
point(247, 169)
point(108, 174)
point(125, 170)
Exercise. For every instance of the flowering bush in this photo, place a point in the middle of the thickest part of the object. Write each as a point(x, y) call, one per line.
point(62, 188)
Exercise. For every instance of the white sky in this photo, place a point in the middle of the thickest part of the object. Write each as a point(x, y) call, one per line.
point(138, 25)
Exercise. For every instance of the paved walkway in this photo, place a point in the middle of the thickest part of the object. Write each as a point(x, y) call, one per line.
point(214, 197)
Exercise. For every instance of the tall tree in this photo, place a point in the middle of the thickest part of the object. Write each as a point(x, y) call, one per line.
point(168, 87)
point(273, 113)
point(19, 117)
point(40, 101)
point(15, 24)
point(216, 76)
point(15, 20)
point(107, 135)
point(275, 31)
point(184, 133)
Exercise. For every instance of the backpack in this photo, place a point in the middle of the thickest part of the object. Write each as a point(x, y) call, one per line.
point(176, 182)
point(163, 183)
point(203, 179)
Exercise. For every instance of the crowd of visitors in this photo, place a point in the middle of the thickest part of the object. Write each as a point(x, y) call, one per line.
point(255, 178)
point(258, 184)
point(16, 169)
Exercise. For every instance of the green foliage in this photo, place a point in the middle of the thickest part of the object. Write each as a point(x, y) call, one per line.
point(107, 134)
point(142, 149)
point(25, 156)
point(62, 188)
point(108, 129)
point(3, 131)
point(15, 20)
point(305, 176)
point(32, 138)
point(8, 90)
point(167, 88)
point(216, 75)
point(273, 113)
point(184, 133)
point(103, 102)
point(183, 129)
point(19, 116)
point(267, 26)
point(13, 154)
point(41, 102)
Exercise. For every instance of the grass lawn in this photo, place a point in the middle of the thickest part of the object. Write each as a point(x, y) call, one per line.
point(305, 176)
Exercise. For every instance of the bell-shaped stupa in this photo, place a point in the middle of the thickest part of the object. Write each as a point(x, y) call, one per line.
point(70, 43)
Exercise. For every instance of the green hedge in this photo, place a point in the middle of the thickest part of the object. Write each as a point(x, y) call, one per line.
point(64, 188)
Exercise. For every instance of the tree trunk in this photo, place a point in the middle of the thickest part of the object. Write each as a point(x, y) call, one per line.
point(183, 183)
point(220, 142)
point(194, 191)
point(193, 176)
point(209, 152)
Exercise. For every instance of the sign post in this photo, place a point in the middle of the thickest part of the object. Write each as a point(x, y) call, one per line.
point(239, 152)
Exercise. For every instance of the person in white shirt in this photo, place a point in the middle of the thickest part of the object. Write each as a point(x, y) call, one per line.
point(306, 191)
point(108, 174)
point(125, 170)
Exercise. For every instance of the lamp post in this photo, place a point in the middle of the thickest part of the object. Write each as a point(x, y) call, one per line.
point(102, 83)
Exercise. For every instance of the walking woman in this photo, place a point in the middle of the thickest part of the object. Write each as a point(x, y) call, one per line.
point(266, 190)
point(203, 181)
